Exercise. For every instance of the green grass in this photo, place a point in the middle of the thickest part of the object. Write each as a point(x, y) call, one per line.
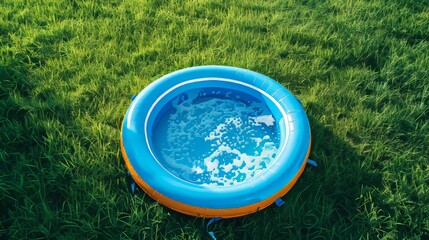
point(68, 69)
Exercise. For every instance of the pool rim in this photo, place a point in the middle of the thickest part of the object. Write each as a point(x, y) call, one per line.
point(209, 204)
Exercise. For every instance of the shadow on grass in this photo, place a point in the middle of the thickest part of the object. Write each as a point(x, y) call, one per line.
point(326, 201)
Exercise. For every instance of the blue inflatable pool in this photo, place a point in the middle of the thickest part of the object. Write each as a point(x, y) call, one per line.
point(215, 141)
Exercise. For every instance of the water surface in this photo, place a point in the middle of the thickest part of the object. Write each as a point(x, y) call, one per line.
point(215, 136)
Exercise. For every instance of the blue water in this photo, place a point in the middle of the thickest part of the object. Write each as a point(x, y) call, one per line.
point(216, 137)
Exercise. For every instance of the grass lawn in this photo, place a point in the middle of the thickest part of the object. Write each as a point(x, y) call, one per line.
point(68, 69)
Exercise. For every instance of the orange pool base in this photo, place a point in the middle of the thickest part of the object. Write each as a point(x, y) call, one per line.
point(215, 141)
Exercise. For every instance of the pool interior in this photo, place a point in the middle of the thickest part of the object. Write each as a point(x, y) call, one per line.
point(215, 136)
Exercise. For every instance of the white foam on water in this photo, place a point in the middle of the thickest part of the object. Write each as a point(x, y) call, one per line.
point(268, 120)
point(227, 167)
point(217, 133)
point(217, 140)
point(197, 170)
point(257, 140)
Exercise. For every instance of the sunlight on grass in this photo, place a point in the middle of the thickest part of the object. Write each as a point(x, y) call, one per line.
point(68, 69)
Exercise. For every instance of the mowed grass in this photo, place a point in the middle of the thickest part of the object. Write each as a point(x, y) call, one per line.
point(69, 68)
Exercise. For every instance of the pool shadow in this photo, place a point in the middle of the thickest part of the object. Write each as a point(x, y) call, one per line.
point(327, 201)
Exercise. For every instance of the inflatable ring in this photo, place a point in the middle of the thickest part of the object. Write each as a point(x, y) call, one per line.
point(215, 141)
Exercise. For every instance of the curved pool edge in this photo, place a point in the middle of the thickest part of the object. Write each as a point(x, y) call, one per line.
point(210, 212)
point(220, 201)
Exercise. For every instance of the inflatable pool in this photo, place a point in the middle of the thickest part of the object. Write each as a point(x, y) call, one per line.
point(215, 141)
